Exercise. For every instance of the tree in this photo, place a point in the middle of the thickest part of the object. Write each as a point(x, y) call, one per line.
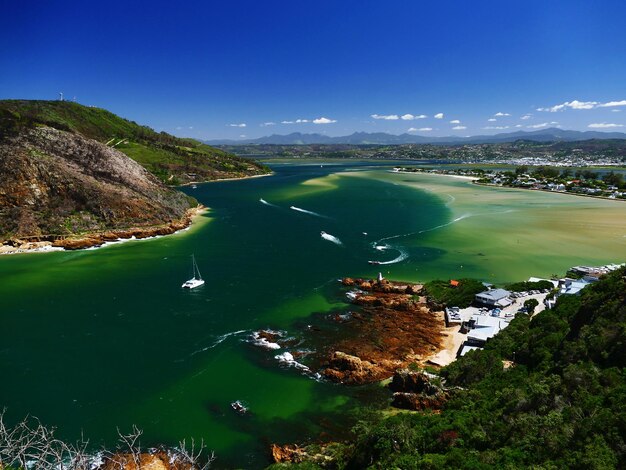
point(612, 178)
point(530, 305)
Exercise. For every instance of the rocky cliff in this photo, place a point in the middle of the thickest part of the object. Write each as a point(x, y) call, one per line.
point(55, 184)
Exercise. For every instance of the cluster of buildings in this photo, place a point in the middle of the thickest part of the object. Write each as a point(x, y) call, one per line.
point(493, 309)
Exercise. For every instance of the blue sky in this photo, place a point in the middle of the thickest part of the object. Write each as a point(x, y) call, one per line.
point(204, 69)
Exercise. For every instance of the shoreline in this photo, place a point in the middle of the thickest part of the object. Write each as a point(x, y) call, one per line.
point(475, 179)
point(225, 179)
point(96, 240)
point(604, 198)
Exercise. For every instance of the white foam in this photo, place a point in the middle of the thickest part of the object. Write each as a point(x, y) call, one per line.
point(257, 340)
point(219, 340)
point(287, 359)
point(353, 294)
point(304, 211)
point(331, 238)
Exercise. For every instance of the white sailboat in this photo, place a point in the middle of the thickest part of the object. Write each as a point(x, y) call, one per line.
point(194, 281)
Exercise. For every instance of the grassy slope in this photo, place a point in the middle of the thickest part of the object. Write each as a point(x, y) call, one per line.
point(172, 159)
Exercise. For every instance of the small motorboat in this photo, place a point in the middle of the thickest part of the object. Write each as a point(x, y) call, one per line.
point(239, 407)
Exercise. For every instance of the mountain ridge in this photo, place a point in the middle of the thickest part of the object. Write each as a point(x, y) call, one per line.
point(550, 134)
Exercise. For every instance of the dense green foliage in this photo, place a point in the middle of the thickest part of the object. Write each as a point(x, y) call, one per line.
point(172, 159)
point(527, 285)
point(461, 295)
point(544, 393)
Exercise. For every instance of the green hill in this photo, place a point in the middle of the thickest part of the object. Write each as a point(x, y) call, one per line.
point(172, 159)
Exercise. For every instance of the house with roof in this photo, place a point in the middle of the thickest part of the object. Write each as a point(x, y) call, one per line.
point(483, 327)
point(494, 298)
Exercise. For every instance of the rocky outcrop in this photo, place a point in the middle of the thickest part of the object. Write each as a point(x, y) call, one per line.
point(57, 185)
point(416, 391)
point(350, 370)
point(419, 402)
point(158, 460)
point(391, 330)
point(288, 453)
point(405, 380)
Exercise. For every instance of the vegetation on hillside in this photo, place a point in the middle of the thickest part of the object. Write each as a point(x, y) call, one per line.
point(172, 159)
point(454, 293)
point(544, 393)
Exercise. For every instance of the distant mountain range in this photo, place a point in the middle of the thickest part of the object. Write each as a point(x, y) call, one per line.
point(381, 138)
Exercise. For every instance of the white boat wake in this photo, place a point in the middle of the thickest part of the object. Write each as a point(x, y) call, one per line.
point(304, 211)
point(330, 238)
point(393, 237)
point(401, 256)
point(263, 201)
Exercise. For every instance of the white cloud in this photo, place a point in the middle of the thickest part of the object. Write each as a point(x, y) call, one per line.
point(286, 122)
point(612, 103)
point(439, 116)
point(323, 120)
point(386, 117)
point(455, 121)
point(301, 121)
point(526, 116)
point(616, 110)
point(492, 120)
point(459, 128)
point(496, 127)
point(604, 125)
point(179, 128)
point(499, 114)
point(243, 124)
point(410, 117)
point(518, 125)
point(575, 104)
point(242, 136)
point(538, 126)
point(266, 124)
point(421, 129)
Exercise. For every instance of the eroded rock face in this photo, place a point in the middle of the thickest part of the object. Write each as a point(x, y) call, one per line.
point(287, 453)
point(413, 382)
point(56, 183)
point(349, 369)
point(418, 401)
point(160, 460)
point(415, 391)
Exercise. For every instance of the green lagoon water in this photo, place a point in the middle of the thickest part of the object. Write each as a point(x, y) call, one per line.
point(98, 339)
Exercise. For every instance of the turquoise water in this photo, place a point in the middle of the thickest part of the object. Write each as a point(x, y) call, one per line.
point(97, 339)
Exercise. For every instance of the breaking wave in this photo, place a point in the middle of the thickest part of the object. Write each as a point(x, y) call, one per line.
point(257, 340)
point(287, 359)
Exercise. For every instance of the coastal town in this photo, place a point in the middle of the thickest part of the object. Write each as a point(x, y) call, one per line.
point(584, 182)
point(494, 308)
